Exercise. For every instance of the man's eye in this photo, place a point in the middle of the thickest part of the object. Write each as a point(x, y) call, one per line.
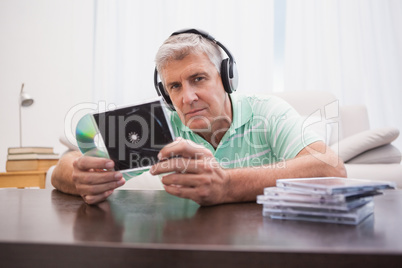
point(174, 86)
point(198, 79)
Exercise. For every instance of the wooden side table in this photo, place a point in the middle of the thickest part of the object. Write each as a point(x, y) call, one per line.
point(22, 179)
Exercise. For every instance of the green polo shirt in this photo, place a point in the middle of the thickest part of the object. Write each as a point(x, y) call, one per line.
point(264, 130)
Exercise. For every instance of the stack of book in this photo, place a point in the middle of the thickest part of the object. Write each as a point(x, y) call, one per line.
point(329, 199)
point(30, 159)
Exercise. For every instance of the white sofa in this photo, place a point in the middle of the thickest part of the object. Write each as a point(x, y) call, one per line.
point(368, 154)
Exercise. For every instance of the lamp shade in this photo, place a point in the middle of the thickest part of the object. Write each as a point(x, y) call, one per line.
point(25, 99)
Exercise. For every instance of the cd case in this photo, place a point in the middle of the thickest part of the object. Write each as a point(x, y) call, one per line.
point(131, 136)
point(285, 194)
point(333, 185)
point(311, 206)
point(352, 217)
point(329, 199)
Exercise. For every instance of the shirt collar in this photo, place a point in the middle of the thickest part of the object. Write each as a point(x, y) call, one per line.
point(242, 111)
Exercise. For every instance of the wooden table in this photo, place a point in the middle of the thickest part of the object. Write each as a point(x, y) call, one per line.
point(22, 179)
point(45, 228)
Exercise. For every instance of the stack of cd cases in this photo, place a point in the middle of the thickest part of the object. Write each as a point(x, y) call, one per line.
point(328, 199)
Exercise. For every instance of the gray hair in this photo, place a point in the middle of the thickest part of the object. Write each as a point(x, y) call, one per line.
point(177, 47)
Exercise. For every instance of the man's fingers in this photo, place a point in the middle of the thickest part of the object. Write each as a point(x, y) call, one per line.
point(99, 189)
point(185, 180)
point(96, 177)
point(184, 148)
point(184, 165)
point(198, 195)
point(89, 162)
point(94, 199)
point(179, 191)
point(188, 151)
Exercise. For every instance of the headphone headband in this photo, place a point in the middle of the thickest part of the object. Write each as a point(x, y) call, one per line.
point(228, 70)
point(208, 36)
point(195, 31)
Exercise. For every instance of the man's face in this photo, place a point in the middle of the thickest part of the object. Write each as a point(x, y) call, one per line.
point(195, 88)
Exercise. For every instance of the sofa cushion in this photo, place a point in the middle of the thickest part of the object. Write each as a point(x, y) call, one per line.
point(386, 154)
point(364, 141)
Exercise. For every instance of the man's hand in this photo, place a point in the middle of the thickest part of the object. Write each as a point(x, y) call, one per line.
point(194, 173)
point(93, 178)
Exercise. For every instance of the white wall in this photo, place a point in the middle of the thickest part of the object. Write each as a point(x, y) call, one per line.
point(48, 45)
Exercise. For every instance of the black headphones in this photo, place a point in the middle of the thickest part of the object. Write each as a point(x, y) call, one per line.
point(228, 72)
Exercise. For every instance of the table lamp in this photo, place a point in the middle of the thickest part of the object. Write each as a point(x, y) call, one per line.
point(24, 101)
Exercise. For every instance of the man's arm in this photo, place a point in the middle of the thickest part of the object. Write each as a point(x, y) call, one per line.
point(315, 160)
point(90, 177)
point(199, 177)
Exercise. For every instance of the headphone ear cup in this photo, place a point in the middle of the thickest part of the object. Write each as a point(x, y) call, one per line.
point(233, 76)
point(225, 76)
point(165, 96)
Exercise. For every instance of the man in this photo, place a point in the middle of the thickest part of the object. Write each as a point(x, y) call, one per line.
point(230, 146)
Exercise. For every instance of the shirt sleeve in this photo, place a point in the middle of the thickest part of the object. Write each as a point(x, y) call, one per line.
point(286, 131)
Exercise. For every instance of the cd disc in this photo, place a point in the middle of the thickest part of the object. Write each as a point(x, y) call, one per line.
point(86, 132)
